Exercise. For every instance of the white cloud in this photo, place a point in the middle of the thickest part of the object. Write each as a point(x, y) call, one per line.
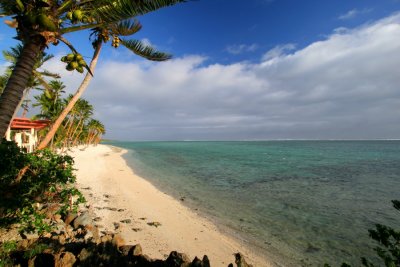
point(343, 87)
point(278, 51)
point(241, 48)
point(354, 13)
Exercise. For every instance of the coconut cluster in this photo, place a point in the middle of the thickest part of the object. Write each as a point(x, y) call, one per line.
point(77, 16)
point(75, 62)
point(115, 41)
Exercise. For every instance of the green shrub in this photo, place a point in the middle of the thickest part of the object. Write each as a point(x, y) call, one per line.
point(47, 182)
point(388, 249)
point(5, 250)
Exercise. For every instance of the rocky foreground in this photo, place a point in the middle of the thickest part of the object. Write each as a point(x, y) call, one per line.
point(76, 241)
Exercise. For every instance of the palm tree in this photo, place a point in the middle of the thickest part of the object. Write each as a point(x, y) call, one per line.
point(85, 111)
point(50, 101)
point(95, 130)
point(3, 82)
point(41, 23)
point(36, 78)
point(102, 34)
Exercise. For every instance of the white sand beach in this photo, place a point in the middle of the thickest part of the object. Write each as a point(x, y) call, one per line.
point(115, 193)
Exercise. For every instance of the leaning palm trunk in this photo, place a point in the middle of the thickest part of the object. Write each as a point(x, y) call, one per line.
point(77, 135)
point(75, 132)
point(18, 81)
point(54, 127)
point(69, 130)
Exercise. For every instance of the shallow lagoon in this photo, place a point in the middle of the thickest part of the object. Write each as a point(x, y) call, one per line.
point(300, 202)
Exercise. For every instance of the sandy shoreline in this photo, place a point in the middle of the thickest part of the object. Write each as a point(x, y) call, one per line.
point(115, 193)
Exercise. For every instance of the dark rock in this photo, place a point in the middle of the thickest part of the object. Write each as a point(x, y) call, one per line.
point(126, 221)
point(125, 249)
point(83, 220)
point(106, 238)
point(51, 210)
point(196, 263)
point(240, 261)
point(131, 250)
point(230, 265)
point(62, 238)
point(176, 259)
point(116, 225)
point(118, 241)
point(312, 249)
point(206, 261)
point(23, 244)
point(29, 235)
point(146, 261)
point(155, 224)
point(84, 255)
point(121, 210)
point(65, 259)
point(42, 259)
point(94, 230)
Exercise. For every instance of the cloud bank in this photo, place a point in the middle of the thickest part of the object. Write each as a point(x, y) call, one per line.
point(344, 87)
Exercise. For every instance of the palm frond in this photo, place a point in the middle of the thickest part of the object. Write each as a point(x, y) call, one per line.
point(144, 50)
point(116, 10)
point(46, 57)
point(43, 82)
point(126, 27)
point(6, 7)
point(13, 54)
point(49, 74)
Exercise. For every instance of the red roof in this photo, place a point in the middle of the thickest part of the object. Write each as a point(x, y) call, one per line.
point(25, 123)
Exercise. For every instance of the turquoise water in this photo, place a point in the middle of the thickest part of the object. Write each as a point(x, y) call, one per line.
point(301, 203)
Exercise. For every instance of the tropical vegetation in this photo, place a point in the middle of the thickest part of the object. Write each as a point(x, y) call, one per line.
point(77, 128)
point(40, 23)
point(49, 182)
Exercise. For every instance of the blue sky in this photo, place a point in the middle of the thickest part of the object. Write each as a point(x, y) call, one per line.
point(256, 69)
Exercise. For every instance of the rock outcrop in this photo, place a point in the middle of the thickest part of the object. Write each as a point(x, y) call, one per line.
point(76, 241)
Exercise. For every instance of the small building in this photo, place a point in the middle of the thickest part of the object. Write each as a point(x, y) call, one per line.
point(24, 132)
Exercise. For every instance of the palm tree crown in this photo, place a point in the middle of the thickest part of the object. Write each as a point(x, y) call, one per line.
point(40, 23)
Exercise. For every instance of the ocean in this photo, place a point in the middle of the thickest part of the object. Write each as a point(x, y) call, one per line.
point(300, 203)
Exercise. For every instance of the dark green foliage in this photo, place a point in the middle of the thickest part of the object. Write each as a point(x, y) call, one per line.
point(45, 186)
point(389, 244)
point(11, 161)
point(5, 249)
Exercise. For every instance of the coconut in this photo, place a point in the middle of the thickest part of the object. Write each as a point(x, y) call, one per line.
point(69, 67)
point(77, 14)
point(30, 19)
point(79, 69)
point(46, 23)
point(82, 62)
point(73, 64)
point(70, 57)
